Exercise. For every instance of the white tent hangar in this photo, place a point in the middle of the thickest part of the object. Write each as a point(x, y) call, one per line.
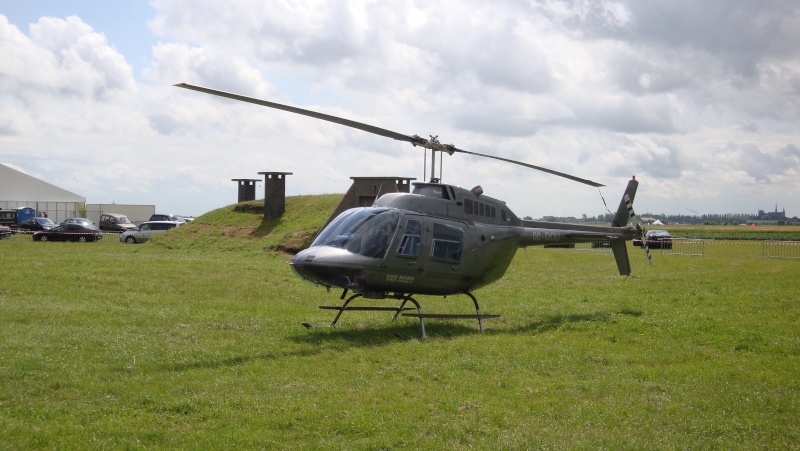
point(18, 189)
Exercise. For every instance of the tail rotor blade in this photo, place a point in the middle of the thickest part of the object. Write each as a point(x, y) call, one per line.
point(639, 229)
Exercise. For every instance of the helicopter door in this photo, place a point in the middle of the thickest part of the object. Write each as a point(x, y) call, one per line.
point(444, 262)
point(406, 258)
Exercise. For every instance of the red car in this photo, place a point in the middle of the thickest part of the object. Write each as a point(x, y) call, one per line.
point(656, 239)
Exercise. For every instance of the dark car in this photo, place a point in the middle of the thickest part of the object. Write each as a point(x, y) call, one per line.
point(70, 232)
point(81, 221)
point(173, 218)
point(36, 223)
point(656, 239)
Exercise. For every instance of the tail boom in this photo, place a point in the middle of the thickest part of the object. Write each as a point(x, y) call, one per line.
point(538, 233)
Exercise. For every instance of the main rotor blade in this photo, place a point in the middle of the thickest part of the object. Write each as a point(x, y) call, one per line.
point(415, 140)
point(314, 114)
point(538, 168)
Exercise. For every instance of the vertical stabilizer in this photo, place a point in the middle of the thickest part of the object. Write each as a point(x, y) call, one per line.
point(622, 216)
point(624, 213)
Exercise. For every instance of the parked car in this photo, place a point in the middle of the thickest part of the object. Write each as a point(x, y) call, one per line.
point(173, 218)
point(115, 222)
point(69, 232)
point(80, 221)
point(656, 239)
point(37, 223)
point(5, 232)
point(146, 230)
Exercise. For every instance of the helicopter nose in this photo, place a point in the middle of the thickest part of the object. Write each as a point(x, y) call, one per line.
point(329, 266)
point(303, 265)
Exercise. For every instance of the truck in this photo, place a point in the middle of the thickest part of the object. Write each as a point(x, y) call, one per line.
point(14, 216)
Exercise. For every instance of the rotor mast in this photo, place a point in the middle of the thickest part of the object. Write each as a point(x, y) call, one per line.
point(434, 145)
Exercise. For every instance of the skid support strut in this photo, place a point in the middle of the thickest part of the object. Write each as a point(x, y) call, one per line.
point(401, 309)
point(396, 309)
point(478, 315)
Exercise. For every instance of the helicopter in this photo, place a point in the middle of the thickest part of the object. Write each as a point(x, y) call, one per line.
point(439, 239)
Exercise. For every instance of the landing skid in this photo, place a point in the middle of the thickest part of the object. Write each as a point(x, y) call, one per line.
point(400, 310)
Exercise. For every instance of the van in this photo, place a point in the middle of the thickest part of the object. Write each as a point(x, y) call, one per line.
point(14, 216)
point(115, 222)
point(8, 218)
point(145, 231)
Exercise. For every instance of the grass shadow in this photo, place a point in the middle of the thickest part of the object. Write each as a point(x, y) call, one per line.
point(321, 339)
point(559, 320)
point(233, 361)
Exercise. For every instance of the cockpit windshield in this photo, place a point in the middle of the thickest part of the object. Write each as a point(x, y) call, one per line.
point(363, 231)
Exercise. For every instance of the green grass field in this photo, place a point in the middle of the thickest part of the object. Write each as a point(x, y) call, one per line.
point(194, 341)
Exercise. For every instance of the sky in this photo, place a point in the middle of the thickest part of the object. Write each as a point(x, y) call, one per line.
point(699, 100)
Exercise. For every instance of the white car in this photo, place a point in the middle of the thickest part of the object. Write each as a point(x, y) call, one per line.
point(146, 230)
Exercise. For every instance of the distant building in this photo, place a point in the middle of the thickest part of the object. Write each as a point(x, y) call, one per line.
point(772, 216)
point(18, 189)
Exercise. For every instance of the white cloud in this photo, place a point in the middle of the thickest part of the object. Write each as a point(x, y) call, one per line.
point(701, 100)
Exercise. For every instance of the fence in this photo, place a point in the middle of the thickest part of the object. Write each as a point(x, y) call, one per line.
point(780, 249)
point(601, 247)
point(680, 246)
point(690, 247)
point(695, 247)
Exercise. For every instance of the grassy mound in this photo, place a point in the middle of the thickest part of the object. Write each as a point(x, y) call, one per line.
point(242, 227)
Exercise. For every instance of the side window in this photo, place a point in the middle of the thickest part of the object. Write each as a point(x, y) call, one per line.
point(159, 227)
point(447, 242)
point(412, 235)
point(144, 227)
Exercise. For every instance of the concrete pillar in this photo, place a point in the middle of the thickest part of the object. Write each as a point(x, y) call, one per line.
point(274, 194)
point(247, 189)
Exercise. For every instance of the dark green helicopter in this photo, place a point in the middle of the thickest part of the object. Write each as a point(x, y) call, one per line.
point(437, 240)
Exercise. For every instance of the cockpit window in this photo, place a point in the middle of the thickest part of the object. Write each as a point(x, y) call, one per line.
point(363, 231)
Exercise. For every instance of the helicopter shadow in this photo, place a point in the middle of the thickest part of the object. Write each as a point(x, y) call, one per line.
point(448, 329)
point(559, 320)
point(375, 336)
